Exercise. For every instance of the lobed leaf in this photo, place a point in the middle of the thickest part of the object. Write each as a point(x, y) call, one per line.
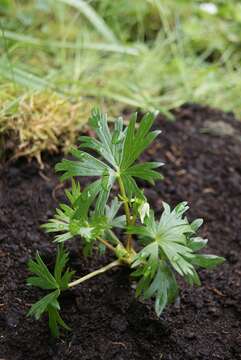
point(117, 150)
point(57, 282)
point(171, 246)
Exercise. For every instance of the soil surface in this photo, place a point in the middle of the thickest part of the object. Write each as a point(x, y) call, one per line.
point(203, 167)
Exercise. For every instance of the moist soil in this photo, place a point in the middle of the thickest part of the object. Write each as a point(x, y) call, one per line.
point(108, 323)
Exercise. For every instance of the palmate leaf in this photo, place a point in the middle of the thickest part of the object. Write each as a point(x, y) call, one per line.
point(77, 219)
point(118, 149)
point(170, 235)
point(56, 282)
point(47, 280)
point(73, 220)
point(88, 229)
point(172, 243)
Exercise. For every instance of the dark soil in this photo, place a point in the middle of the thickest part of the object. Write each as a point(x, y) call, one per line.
point(107, 322)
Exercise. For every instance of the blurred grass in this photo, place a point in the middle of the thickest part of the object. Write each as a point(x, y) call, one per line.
point(60, 55)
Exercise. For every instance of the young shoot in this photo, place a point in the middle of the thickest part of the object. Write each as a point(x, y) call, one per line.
point(167, 246)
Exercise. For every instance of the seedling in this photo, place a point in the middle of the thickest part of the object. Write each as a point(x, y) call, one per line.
point(154, 249)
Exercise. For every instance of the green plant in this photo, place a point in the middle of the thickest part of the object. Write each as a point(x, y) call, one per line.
point(169, 245)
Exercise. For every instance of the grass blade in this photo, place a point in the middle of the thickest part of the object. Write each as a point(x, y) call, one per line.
point(93, 18)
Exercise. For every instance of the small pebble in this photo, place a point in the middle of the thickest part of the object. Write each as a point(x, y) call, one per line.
point(12, 319)
point(190, 335)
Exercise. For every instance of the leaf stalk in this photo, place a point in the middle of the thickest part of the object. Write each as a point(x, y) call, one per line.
point(107, 244)
point(127, 211)
point(95, 273)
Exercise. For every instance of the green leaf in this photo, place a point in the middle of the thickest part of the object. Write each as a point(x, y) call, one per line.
point(143, 210)
point(98, 122)
point(63, 237)
point(196, 224)
point(150, 258)
point(170, 234)
point(111, 214)
point(74, 193)
point(61, 222)
point(60, 264)
point(86, 165)
point(40, 282)
point(131, 188)
point(163, 287)
point(117, 150)
point(74, 221)
point(107, 183)
point(156, 278)
point(45, 280)
point(197, 243)
point(193, 278)
point(207, 261)
point(55, 225)
point(41, 306)
point(137, 141)
point(145, 171)
point(117, 140)
point(171, 243)
point(86, 199)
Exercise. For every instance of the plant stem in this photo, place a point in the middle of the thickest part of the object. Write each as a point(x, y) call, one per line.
point(107, 244)
point(125, 199)
point(114, 237)
point(95, 273)
point(127, 211)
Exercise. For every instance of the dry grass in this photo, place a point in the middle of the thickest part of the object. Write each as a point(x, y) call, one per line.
point(45, 121)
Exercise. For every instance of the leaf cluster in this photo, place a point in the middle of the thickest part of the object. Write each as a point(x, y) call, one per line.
point(118, 151)
point(56, 282)
point(168, 246)
point(172, 245)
